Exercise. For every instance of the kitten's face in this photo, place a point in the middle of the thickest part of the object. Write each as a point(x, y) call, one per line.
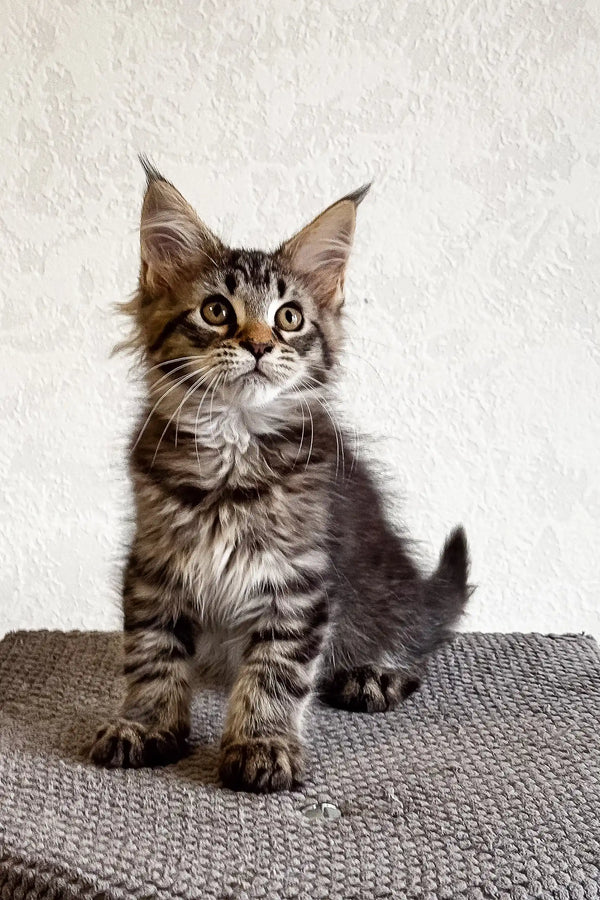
point(245, 326)
point(254, 331)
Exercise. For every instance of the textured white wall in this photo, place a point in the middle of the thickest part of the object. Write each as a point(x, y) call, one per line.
point(473, 292)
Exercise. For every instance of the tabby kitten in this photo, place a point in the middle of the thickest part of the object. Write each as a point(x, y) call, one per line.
point(262, 556)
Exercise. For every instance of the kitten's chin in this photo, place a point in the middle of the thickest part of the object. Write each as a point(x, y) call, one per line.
point(254, 389)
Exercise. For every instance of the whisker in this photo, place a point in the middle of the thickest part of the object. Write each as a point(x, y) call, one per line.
point(368, 362)
point(206, 371)
point(185, 396)
point(356, 451)
point(157, 404)
point(312, 436)
point(212, 397)
point(167, 375)
point(302, 402)
point(164, 361)
point(337, 432)
point(303, 423)
point(198, 416)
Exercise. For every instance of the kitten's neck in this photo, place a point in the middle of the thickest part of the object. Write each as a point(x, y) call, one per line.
point(238, 427)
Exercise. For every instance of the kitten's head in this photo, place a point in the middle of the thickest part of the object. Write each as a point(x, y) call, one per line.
point(248, 324)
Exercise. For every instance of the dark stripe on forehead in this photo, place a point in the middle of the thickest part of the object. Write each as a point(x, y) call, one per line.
point(230, 282)
point(252, 264)
point(281, 286)
point(168, 329)
point(237, 263)
point(257, 264)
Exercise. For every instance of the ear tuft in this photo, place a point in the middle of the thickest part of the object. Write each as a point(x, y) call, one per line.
point(152, 173)
point(320, 251)
point(359, 195)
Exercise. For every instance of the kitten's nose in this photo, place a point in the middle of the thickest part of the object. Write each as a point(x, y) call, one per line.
point(256, 349)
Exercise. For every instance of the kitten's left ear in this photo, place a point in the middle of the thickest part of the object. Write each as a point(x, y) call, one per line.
point(320, 251)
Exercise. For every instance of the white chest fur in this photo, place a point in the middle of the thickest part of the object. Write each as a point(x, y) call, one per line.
point(234, 555)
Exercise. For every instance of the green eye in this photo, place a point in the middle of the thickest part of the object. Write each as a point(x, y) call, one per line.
point(216, 310)
point(288, 318)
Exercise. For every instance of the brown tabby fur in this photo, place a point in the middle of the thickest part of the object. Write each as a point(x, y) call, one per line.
point(262, 556)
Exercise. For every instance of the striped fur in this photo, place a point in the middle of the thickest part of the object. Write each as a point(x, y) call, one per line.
point(262, 557)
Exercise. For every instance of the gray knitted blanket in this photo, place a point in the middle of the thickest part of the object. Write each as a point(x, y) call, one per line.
point(486, 783)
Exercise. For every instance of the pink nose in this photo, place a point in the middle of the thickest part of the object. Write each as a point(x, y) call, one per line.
point(256, 349)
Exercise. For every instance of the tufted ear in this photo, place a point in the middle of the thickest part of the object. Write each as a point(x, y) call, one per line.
point(173, 239)
point(320, 251)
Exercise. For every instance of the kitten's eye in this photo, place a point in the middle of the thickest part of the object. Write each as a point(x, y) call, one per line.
point(288, 318)
point(216, 310)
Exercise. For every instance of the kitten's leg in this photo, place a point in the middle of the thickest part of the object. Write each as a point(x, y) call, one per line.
point(368, 688)
point(158, 650)
point(261, 749)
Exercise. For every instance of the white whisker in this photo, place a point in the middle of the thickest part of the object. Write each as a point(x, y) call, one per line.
point(164, 361)
point(213, 381)
point(176, 413)
point(157, 404)
point(168, 374)
point(337, 432)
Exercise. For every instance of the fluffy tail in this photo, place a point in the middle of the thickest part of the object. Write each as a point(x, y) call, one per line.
point(453, 567)
point(447, 590)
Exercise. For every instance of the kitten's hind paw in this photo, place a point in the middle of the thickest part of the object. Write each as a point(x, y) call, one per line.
point(124, 744)
point(368, 689)
point(261, 765)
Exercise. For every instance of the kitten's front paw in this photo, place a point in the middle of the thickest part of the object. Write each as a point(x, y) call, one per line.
point(124, 744)
point(261, 765)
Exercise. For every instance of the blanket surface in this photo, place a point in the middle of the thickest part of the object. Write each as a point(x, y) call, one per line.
point(484, 784)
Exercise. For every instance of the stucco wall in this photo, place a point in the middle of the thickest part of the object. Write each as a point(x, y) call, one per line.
point(473, 292)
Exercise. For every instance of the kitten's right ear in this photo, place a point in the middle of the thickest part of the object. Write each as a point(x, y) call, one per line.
point(173, 239)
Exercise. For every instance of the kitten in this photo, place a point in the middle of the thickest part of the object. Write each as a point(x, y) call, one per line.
point(262, 555)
